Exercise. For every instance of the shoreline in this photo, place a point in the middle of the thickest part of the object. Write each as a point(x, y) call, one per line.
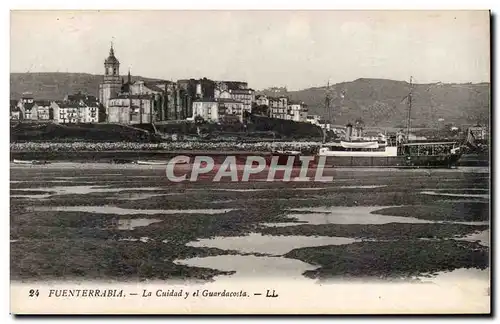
point(124, 157)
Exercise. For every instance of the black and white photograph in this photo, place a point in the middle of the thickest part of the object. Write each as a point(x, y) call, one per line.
point(250, 162)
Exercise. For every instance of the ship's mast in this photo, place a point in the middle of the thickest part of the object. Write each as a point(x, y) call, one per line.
point(328, 100)
point(408, 123)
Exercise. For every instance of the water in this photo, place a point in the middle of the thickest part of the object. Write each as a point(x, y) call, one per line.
point(130, 239)
point(82, 190)
point(44, 196)
point(252, 266)
point(435, 193)
point(482, 238)
point(349, 215)
point(130, 224)
point(129, 211)
point(240, 190)
point(268, 244)
point(363, 187)
point(139, 196)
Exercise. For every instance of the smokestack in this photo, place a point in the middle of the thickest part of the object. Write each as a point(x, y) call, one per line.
point(348, 132)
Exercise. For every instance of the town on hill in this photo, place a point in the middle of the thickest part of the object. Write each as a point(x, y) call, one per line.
point(220, 106)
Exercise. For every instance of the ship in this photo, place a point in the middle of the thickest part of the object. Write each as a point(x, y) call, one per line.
point(353, 149)
point(356, 150)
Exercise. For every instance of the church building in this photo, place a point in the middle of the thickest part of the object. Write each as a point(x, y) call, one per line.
point(112, 84)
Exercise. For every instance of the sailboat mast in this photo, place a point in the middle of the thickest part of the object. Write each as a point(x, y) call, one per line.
point(327, 102)
point(408, 123)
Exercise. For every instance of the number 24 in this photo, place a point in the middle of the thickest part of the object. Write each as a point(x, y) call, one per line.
point(34, 293)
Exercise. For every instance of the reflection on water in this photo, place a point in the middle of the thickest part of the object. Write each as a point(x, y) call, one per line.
point(363, 187)
point(349, 215)
point(128, 211)
point(82, 190)
point(130, 224)
point(281, 224)
point(240, 190)
point(252, 266)
point(268, 244)
point(436, 193)
point(139, 196)
point(482, 238)
point(43, 196)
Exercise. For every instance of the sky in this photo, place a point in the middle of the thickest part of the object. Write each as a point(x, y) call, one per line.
point(296, 49)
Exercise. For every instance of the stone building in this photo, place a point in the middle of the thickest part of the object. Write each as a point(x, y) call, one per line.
point(112, 82)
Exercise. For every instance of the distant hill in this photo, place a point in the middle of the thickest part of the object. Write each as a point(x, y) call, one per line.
point(379, 102)
point(56, 85)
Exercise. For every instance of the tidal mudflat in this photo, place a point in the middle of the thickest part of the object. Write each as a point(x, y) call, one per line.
point(129, 223)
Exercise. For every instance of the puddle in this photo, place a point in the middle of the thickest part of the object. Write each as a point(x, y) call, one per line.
point(130, 224)
point(252, 266)
point(82, 190)
point(142, 239)
point(435, 193)
point(241, 190)
point(44, 196)
point(268, 244)
point(482, 238)
point(128, 211)
point(310, 188)
point(363, 187)
point(139, 196)
point(349, 215)
point(281, 224)
point(467, 223)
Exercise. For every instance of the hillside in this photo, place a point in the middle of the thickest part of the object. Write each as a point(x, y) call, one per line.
point(56, 85)
point(380, 102)
point(377, 101)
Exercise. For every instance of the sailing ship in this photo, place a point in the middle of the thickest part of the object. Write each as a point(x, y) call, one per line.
point(354, 150)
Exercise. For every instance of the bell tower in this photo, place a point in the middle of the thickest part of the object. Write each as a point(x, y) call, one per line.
point(111, 86)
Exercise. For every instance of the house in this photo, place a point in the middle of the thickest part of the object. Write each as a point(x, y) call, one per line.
point(15, 112)
point(230, 107)
point(75, 108)
point(208, 109)
point(261, 100)
point(42, 110)
point(297, 111)
point(278, 106)
point(25, 105)
point(66, 112)
point(245, 96)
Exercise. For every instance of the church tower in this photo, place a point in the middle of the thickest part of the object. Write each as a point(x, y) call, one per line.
point(111, 86)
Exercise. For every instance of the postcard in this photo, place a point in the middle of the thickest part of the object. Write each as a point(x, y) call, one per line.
point(250, 162)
